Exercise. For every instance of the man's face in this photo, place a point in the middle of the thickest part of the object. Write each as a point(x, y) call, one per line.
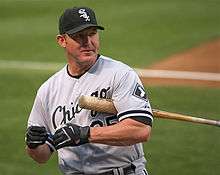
point(82, 46)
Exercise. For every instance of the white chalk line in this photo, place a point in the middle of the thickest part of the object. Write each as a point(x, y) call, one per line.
point(146, 73)
point(188, 75)
point(4, 64)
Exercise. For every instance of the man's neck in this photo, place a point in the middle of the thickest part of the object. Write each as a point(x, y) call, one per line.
point(77, 69)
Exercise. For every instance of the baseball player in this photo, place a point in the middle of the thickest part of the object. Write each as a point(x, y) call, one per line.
point(88, 142)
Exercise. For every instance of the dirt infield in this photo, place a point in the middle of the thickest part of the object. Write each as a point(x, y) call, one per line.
point(205, 59)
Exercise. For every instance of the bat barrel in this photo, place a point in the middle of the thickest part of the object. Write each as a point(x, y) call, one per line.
point(107, 106)
point(97, 104)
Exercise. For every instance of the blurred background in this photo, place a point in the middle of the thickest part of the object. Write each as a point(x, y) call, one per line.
point(140, 33)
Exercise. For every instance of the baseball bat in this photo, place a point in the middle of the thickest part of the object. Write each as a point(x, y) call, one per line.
point(107, 106)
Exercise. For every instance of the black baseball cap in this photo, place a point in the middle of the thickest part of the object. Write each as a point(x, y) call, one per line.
point(76, 19)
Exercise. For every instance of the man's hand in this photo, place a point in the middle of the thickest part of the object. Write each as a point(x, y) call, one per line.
point(35, 136)
point(71, 135)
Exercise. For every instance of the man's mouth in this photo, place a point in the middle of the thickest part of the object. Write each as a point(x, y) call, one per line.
point(87, 50)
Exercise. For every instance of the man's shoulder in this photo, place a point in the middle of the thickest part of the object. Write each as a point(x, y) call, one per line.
point(115, 69)
point(52, 80)
point(114, 64)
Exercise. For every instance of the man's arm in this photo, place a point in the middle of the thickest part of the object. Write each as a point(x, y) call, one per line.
point(39, 144)
point(124, 133)
point(41, 154)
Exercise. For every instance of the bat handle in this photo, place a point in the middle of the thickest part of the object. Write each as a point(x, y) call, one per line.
point(169, 115)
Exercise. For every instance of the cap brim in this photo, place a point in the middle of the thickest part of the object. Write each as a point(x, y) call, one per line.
point(82, 27)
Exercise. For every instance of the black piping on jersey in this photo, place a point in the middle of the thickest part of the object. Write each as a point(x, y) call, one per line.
point(135, 111)
point(145, 172)
point(142, 116)
point(78, 76)
point(145, 120)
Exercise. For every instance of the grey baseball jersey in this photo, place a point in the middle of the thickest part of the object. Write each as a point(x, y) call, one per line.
point(56, 103)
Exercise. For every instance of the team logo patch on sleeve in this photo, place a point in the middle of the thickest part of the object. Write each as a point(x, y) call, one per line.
point(140, 92)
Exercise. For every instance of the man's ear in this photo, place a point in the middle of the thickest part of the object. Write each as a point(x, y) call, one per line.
point(61, 40)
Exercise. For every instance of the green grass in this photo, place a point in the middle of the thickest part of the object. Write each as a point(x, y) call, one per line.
point(177, 147)
point(138, 33)
point(181, 147)
point(141, 30)
point(18, 89)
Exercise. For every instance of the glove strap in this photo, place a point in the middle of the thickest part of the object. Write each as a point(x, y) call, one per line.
point(84, 134)
point(50, 143)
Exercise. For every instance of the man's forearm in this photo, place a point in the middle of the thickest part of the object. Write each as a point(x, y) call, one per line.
point(124, 133)
point(41, 154)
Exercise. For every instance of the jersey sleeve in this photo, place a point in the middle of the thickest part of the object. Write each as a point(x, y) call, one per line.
point(38, 113)
point(38, 117)
point(131, 100)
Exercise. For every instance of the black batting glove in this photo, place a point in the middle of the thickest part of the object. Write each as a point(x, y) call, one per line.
point(71, 135)
point(35, 136)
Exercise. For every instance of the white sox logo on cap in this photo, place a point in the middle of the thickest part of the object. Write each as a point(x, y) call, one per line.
point(83, 14)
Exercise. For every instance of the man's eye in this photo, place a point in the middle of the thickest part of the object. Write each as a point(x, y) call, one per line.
point(92, 33)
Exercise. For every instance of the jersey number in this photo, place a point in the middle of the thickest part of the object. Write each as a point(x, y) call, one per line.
point(102, 94)
point(108, 120)
point(111, 120)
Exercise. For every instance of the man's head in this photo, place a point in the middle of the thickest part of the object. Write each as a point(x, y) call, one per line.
point(78, 34)
point(76, 19)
